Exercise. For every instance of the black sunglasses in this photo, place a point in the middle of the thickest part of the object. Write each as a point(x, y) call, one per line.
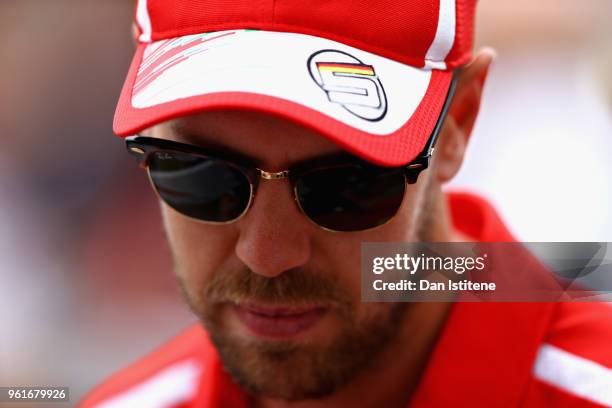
point(338, 193)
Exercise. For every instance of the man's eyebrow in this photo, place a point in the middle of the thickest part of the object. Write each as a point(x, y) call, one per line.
point(183, 135)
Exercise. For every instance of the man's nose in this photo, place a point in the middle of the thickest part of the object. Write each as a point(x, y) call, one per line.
point(274, 233)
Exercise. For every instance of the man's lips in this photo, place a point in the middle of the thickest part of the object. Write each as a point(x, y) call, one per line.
point(278, 322)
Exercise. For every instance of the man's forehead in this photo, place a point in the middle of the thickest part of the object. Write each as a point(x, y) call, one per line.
point(266, 138)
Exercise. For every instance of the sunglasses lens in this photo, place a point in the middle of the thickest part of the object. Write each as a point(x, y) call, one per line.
point(206, 189)
point(351, 198)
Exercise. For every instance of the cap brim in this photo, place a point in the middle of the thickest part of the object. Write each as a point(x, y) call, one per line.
point(374, 107)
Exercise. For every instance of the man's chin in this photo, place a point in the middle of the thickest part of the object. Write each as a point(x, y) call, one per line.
point(272, 351)
point(283, 368)
point(310, 361)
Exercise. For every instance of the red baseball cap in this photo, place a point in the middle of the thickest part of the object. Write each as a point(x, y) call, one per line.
point(371, 76)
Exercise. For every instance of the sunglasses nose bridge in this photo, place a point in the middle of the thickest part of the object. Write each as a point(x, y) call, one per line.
point(278, 175)
point(268, 175)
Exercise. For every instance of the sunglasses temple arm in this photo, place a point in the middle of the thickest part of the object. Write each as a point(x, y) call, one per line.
point(428, 150)
point(414, 168)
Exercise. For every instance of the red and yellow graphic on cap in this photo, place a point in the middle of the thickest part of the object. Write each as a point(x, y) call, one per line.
point(346, 68)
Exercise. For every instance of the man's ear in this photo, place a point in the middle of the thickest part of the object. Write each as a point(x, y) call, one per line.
point(455, 134)
point(135, 34)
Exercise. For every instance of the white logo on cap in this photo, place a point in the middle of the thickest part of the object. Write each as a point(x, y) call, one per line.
point(350, 83)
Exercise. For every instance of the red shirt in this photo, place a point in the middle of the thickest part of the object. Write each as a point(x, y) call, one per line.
point(489, 354)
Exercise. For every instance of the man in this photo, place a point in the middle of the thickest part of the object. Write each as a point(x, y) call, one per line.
point(279, 136)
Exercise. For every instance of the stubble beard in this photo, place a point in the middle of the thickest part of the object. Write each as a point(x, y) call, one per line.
point(289, 369)
point(298, 370)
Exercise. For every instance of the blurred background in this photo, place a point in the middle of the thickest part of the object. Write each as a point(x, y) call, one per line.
point(86, 282)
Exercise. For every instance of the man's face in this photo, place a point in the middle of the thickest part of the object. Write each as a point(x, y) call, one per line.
point(279, 295)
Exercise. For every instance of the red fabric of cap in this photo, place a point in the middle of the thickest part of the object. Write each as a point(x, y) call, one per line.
point(372, 77)
point(401, 30)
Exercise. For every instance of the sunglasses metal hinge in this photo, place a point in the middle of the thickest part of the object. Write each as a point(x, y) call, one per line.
point(267, 175)
point(424, 160)
point(137, 150)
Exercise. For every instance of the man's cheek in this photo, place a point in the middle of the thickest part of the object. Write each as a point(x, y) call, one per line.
point(197, 249)
point(180, 230)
